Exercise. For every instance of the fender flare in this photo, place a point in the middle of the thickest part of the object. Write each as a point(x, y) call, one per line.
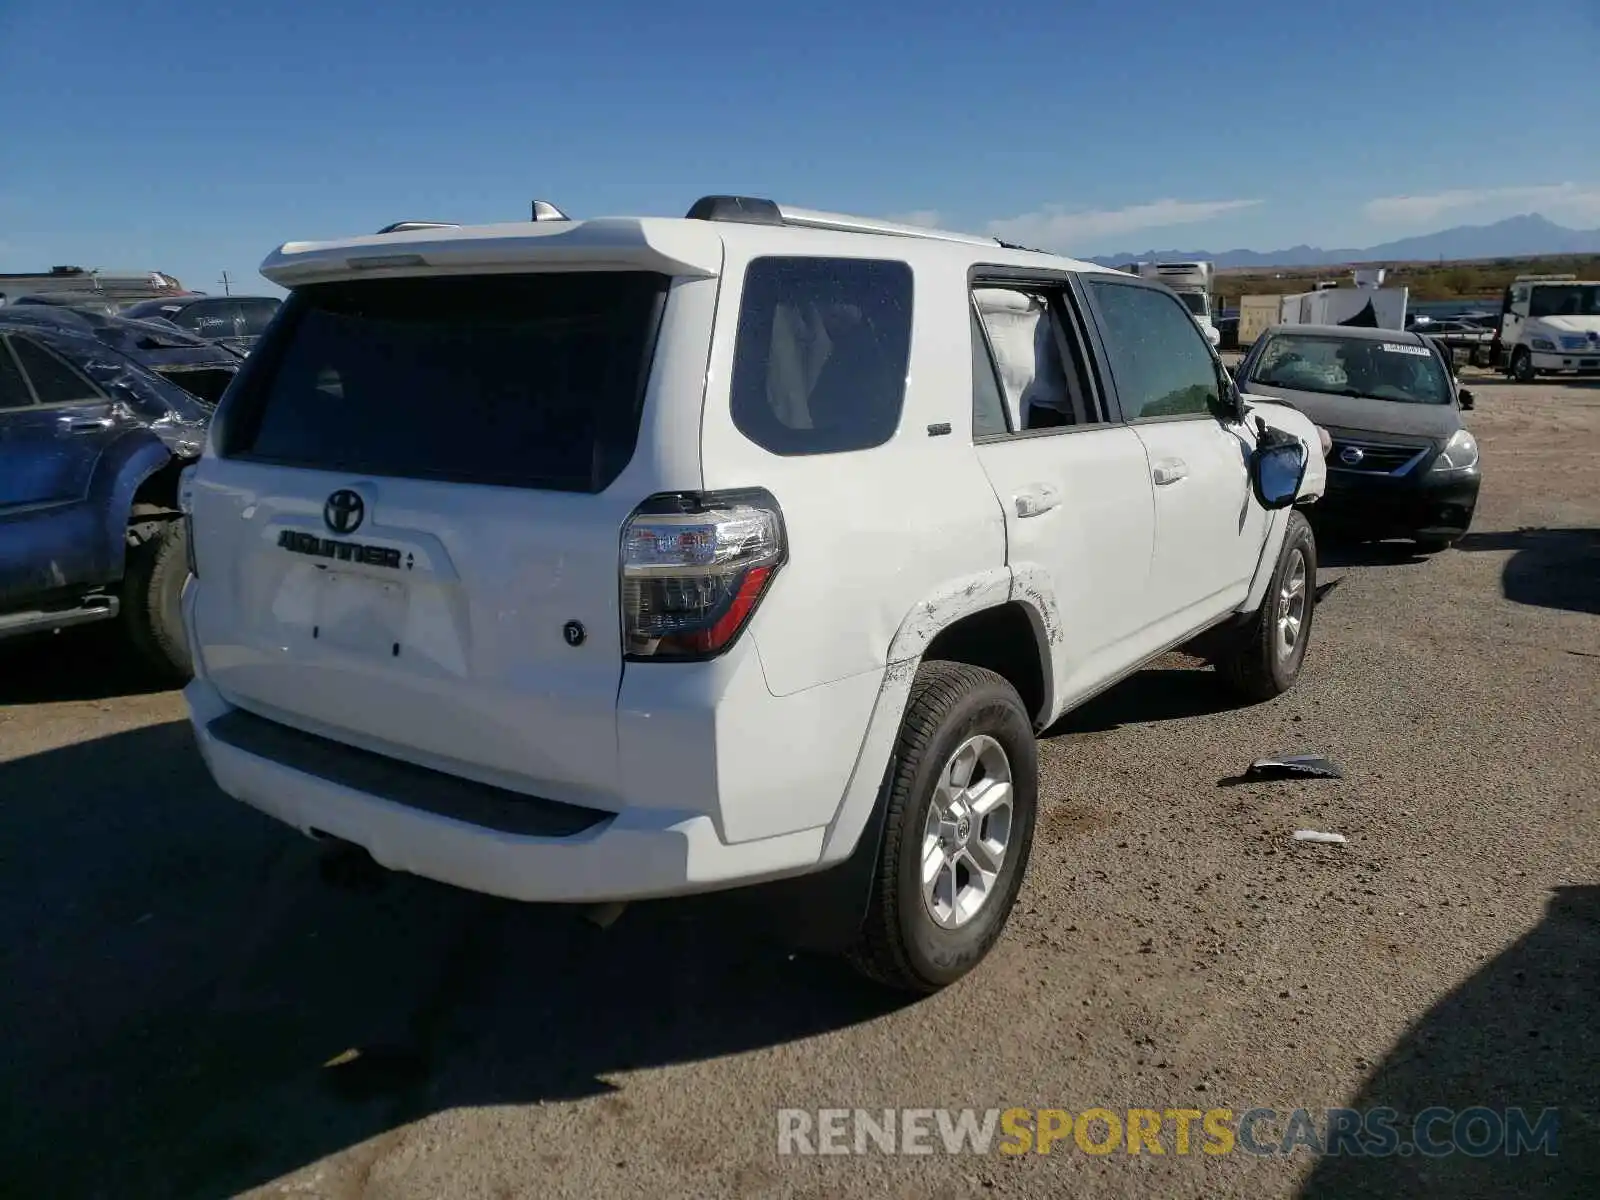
point(122, 469)
point(1277, 528)
point(859, 816)
point(823, 910)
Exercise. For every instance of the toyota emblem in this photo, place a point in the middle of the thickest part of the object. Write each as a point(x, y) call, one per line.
point(344, 511)
point(1351, 455)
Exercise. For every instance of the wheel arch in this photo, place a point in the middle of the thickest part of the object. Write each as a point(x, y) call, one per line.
point(124, 470)
point(982, 619)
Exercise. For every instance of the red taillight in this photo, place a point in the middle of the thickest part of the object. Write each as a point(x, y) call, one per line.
point(694, 568)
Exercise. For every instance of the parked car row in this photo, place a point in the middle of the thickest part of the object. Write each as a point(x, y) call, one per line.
point(1468, 337)
point(233, 320)
point(485, 578)
point(236, 321)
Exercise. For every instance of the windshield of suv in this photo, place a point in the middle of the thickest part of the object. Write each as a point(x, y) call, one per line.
point(1565, 300)
point(518, 380)
point(1399, 371)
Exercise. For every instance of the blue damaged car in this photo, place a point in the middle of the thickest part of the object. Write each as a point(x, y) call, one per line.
point(98, 417)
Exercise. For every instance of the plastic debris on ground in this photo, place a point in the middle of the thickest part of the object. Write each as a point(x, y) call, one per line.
point(1293, 766)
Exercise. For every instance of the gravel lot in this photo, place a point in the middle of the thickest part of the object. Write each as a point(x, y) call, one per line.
point(177, 971)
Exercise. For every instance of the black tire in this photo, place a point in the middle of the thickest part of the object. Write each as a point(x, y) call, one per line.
point(1434, 545)
point(1522, 365)
point(900, 943)
point(1256, 665)
point(155, 571)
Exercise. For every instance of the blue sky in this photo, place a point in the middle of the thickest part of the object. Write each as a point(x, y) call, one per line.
point(194, 140)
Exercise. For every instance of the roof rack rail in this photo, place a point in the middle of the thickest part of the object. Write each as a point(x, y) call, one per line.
point(407, 226)
point(753, 210)
point(1544, 278)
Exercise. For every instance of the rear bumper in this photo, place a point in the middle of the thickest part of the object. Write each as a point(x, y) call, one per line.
point(637, 853)
point(1383, 506)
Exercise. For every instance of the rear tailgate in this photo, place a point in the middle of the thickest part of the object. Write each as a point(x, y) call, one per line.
point(407, 530)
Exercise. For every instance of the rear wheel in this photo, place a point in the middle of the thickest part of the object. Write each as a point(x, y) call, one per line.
point(156, 569)
point(1265, 659)
point(962, 797)
point(1522, 365)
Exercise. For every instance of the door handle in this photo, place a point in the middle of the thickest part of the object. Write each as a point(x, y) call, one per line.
point(1169, 471)
point(1040, 498)
point(84, 424)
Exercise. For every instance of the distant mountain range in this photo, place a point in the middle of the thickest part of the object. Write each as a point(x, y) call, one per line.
point(1515, 237)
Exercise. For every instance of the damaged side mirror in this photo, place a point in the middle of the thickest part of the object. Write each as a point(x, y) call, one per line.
point(1276, 472)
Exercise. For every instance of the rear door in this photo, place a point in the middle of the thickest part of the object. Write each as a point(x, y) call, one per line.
point(1071, 479)
point(408, 530)
point(1209, 529)
point(54, 426)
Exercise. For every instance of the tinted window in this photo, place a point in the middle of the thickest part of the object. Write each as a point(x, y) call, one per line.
point(255, 316)
point(210, 320)
point(520, 380)
point(53, 381)
point(820, 362)
point(1162, 364)
point(13, 388)
point(988, 406)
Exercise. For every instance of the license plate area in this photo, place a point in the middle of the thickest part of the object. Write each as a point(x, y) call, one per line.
point(359, 614)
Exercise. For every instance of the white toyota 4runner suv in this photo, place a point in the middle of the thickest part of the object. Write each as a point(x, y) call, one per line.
point(587, 561)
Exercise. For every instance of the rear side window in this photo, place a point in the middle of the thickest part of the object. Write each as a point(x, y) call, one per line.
point(820, 362)
point(53, 381)
point(13, 388)
point(210, 320)
point(256, 315)
point(1162, 364)
point(517, 380)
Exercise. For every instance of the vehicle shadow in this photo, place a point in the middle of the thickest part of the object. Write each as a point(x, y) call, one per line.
point(1519, 1033)
point(92, 663)
point(1173, 693)
point(1549, 568)
point(179, 980)
point(1334, 550)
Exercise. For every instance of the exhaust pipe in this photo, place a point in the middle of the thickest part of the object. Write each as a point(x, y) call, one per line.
point(347, 866)
point(604, 916)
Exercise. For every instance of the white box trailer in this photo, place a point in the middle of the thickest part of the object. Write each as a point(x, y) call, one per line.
point(1192, 282)
point(1257, 314)
point(1370, 308)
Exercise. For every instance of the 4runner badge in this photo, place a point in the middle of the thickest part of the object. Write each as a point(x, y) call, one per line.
point(311, 545)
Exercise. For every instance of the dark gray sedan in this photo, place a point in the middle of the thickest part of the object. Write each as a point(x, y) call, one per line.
point(1402, 464)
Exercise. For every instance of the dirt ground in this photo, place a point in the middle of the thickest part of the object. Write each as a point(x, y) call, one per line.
point(177, 969)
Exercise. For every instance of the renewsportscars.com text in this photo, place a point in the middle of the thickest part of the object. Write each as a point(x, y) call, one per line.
point(1374, 1132)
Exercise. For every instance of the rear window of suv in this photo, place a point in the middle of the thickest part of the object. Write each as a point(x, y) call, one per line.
point(519, 380)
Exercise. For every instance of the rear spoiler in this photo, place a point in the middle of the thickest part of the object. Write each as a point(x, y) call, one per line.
point(668, 247)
